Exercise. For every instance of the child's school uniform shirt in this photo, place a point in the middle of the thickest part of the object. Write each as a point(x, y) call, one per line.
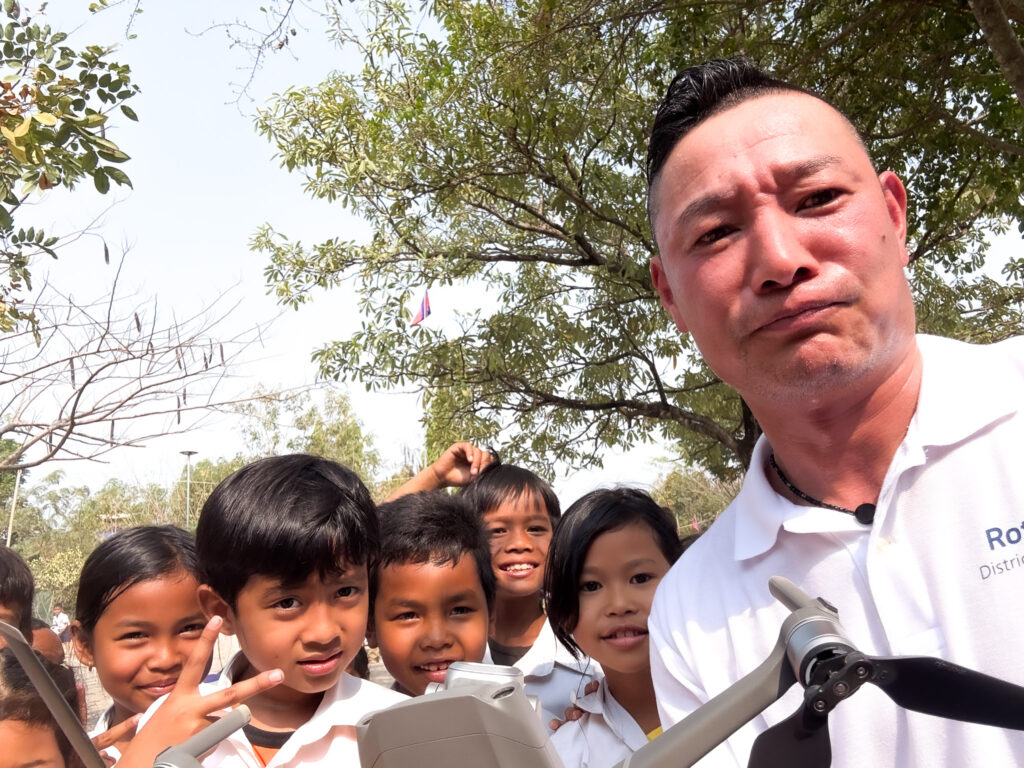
point(104, 724)
point(328, 738)
point(552, 674)
point(605, 735)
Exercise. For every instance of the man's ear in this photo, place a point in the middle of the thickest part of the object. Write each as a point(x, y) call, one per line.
point(668, 299)
point(896, 203)
point(215, 605)
point(83, 647)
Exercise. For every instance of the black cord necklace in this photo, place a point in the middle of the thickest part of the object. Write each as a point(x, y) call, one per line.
point(865, 513)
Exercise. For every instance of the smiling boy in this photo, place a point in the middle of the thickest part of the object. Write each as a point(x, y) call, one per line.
point(432, 589)
point(283, 548)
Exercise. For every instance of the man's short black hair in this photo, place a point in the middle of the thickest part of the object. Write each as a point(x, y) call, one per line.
point(17, 588)
point(703, 91)
point(700, 92)
point(432, 527)
point(498, 483)
point(286, 517)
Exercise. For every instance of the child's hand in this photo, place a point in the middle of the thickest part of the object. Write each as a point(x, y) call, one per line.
point(459, 464)
point(185, 711)
point(572, 712)
point(113, 735)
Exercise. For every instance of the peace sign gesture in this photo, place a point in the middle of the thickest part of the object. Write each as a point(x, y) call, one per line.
point(186, 711)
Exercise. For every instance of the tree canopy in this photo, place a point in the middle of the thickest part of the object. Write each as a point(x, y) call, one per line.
point(54, 106)
point(500, 146)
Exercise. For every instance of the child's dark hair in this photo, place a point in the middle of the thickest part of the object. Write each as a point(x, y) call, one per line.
point(360, 665)
point(287, 517)
point(432, 527)
point(499, 482)
point(17, 588)
point(20, 702)
point(589, 516)
point(127, 558)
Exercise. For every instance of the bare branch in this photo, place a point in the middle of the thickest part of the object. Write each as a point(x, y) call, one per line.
point(107, 374)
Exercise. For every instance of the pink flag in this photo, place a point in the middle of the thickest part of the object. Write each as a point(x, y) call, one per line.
point(696, 525)
point(424, 310)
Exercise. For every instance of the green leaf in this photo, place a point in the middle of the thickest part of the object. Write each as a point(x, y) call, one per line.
point(101, 180)
point(119, 176)
point(129, 112)
point(112, 157)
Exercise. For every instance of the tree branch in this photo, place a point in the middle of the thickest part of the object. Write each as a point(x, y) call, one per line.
point(1006, 48)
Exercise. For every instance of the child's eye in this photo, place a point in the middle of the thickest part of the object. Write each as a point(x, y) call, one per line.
point(286, 603)
point(132, 636)
point(589, 586)
point(192, 629)
point(463, 610)
point(349, 591)
point(407, 616)
point(492, 532)
point(538, 529)
point(641, 578)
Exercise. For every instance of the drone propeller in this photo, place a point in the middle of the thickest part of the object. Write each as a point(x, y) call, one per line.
point(926, 685)
point(939, 688)
point(799, 740)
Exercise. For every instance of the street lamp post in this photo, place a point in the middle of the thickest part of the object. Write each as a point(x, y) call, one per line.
point(188, 487)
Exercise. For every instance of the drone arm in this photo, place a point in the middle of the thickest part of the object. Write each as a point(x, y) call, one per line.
point(47, 689)
point(789, 594)
point(187, 754)
point(689, 740)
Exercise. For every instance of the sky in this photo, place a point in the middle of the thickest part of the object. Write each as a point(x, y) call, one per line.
point(203, 182)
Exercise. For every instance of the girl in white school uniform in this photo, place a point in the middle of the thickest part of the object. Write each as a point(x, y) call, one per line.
point(608, 554)
point(137, 620)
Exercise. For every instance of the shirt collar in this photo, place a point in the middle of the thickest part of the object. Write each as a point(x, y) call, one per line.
point(619, 721)
point(546, 651)
point(336, 708)
point(950, 370)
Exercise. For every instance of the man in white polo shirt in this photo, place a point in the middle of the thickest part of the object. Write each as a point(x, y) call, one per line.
point(888, 479)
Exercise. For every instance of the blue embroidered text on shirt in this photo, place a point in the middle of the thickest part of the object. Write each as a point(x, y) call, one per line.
point(1004, 538)
point(1012, 535)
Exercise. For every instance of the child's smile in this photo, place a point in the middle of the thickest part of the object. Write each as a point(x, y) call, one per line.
point(425, 617)
point(620, 573)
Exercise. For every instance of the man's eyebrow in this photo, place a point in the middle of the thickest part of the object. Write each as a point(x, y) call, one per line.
point(810, 166)
point(711, 202)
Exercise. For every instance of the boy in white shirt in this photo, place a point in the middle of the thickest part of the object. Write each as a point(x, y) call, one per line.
point(283, 548)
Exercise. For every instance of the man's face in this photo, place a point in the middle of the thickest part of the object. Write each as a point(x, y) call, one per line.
point(782, 252)
point(425, 617)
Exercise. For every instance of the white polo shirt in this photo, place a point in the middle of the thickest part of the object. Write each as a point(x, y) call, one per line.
point(328, 738)
point(552, 674)
point(940, 573)
point(605, 735)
